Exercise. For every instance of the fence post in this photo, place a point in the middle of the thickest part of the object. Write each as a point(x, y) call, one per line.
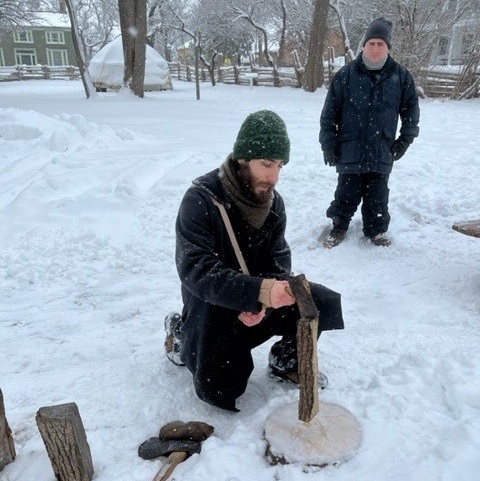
point(236, 75)
point(276, 78)
point(46, 72)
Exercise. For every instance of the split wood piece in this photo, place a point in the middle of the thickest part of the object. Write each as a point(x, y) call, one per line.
point(329, 439)
point(468, 227)
point(64, 436)
point(7, 447)
point(307, 336)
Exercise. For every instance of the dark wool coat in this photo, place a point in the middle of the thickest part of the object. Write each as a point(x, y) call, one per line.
point(360, 116)
point(215, 344)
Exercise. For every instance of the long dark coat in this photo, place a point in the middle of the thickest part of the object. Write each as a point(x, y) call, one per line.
point(360, 116)
point(215, 344)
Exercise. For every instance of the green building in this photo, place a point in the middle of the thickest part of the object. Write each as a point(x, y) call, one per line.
point(47, 40)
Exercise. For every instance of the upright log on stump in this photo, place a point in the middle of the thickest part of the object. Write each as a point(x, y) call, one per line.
point(66, 442)
point(307, 334)
point(324, 433)
point(7, 447)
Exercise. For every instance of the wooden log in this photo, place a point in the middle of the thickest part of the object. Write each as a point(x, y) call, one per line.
point(7, 447)
point(307, 369)
point(307, 330)
point(64, 436)
point(468, 227)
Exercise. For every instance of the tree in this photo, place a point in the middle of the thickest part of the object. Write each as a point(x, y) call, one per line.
point(335, 4)
point(19, 12)
point(85, 75)
point(252, 14)
point(97, 22)
point(313, 77)
point(133, 25)
point(162, 33)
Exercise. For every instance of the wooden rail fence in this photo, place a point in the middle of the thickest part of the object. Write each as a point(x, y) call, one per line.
point(45, 72)
point(433, 83)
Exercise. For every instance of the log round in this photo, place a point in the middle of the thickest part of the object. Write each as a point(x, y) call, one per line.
point(329, 438)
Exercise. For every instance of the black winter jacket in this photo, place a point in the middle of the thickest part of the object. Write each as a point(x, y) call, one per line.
point(360, 116)
point(214, 290)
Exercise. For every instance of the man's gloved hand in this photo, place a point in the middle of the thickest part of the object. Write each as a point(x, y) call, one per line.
point(330, 158)
point(399, 148)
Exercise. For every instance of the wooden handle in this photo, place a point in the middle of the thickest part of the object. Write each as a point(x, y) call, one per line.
point(173, 460)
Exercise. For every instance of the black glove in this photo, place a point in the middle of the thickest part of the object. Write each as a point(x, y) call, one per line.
point(399, 148)
point(330, 158)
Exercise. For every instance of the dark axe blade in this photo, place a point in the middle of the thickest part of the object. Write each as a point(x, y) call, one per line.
point(303, 295)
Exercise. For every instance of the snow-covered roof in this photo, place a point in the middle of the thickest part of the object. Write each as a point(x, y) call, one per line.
point(49, 19)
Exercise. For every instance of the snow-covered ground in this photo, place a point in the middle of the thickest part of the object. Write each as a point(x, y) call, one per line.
point(88, 197)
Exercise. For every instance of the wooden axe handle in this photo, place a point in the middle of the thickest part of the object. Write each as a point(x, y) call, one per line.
point(173, 460)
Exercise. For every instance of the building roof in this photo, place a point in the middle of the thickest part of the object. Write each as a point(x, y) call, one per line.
point(49, 19)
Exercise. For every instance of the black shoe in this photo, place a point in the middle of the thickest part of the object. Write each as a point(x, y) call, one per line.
point(336, 236)
point(294, 378)
point(381, 240)
point(173, 342)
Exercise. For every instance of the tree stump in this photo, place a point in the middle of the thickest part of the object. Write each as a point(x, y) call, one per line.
point(324, 433)
point(7, 447)
point(64, 436)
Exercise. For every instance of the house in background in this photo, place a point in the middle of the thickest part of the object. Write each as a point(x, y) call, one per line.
point(457, 43)
point(454, 48)
point(46, 40)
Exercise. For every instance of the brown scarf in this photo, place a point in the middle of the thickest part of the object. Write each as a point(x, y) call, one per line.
point(253, 212)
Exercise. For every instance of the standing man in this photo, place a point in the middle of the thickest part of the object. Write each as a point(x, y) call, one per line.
point(358, 129)
point(229, 310)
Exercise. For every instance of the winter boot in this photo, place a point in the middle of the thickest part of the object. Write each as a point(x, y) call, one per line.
point(381, 240)
point(336, 236)
point(283, 364)
point(173, 342)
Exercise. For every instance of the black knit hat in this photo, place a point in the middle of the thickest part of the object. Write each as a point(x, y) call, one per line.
point(379, 28)
point(263, 135)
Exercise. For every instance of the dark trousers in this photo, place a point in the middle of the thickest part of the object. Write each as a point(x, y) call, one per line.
point(220, 357)
point(372, 189)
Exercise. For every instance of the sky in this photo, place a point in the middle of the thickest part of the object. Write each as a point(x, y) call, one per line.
point(89, 191)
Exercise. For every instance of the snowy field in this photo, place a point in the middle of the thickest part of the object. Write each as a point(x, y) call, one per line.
point(89, 192)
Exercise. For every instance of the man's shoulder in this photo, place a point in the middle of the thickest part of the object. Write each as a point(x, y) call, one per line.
point(208, 183)
point(396, 66)
point(345, 72)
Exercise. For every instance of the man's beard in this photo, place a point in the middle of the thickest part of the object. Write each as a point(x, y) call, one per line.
point(250, 185)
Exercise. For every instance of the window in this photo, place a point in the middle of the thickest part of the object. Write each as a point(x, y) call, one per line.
point(54, 37)
point(2, 58)
point(442, 46)
point(25, 56)
point(24, 36)
point(57, 58)
point(467, 43)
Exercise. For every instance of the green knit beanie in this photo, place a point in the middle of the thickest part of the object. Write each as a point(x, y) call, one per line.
point(263, 135)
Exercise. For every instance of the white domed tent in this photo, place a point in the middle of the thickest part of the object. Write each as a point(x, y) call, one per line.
point(106, 68)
